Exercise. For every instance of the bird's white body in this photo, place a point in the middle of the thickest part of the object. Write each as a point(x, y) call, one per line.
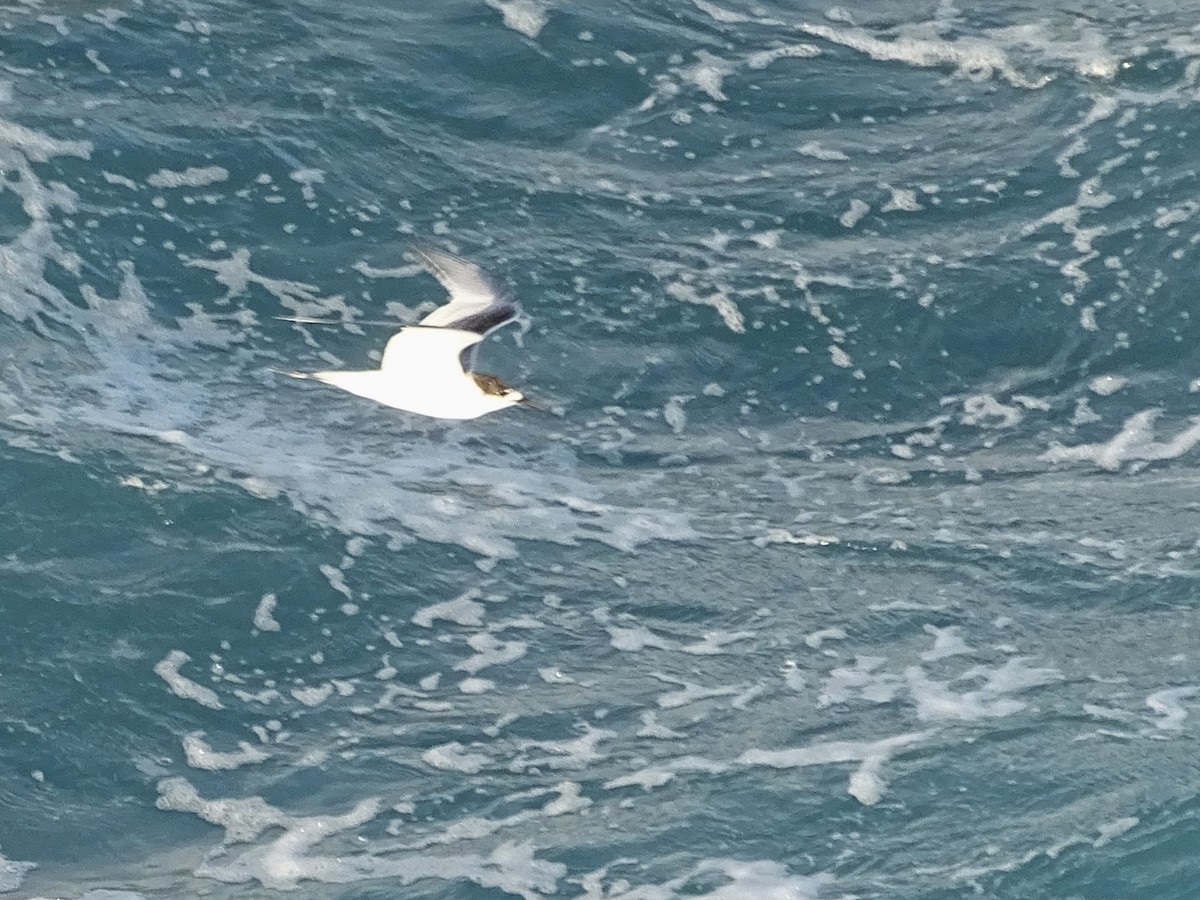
point(426, 368)
point(421, 373)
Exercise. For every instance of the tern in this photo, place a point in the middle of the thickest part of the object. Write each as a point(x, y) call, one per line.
point(429, 368)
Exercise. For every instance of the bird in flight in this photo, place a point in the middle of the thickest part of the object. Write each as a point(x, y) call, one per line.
point(429, 368)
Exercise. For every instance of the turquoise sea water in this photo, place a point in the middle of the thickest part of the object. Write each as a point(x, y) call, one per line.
point(858, 559)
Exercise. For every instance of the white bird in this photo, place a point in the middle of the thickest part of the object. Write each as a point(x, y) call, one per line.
point(428, 368)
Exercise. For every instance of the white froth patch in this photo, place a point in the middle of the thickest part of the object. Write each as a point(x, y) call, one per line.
point(985, 411)
point(121, 180)
point(819, 151)
point(946, 642)
point(691, 693)
point(854, 214)
point(652, 728)
point(490, 651)
point(754, 880)
point(863, 680)
point(93, 57)
point(313, 696)
point(1105, 385)
point(714, 642)
point(636, 639)
point(286, 859)
point(719, 14)
point(840, 357)
point(523, 16)
point(652, 777)
point(475, 685)
point(764, 58)
point(337, 580)
point(578, 753)
point(970, 57)
point(182, 686)
point(463, 610)
point(817, 638)
point(718, 300)
point(708, 74)
point(673, 413)
point(201, 756)
point(937, 703)
point(783, 536)
point(902, 199)
point(1133, 443)
point(306, 178)
point(454, 757)
point(197, 176)
point(264, 619)
point(1169, 707)
point(12, 874)
point(866, 784)
point(1169, 216)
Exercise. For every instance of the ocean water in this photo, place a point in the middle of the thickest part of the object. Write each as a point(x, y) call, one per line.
point(857, 556)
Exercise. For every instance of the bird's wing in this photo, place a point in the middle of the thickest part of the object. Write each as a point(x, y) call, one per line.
point(477, 303)
point(418, 353)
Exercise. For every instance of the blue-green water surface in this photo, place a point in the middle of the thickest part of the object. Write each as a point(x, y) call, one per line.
point(857, 555)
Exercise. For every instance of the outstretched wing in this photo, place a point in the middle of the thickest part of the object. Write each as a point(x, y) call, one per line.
point(477, 303)
point(427, 355)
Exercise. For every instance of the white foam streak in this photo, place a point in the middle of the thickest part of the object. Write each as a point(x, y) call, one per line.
point(937, 703)
point(454, 757)
point(523, 16)
point(1169, 707)
point(970, 57)
point(464, 609)
point(754, 880)
point(12, 873)
point(201, 756)
point(1134, 442)
point(285, 861)
point(197, 176)
point(264, 618)
point(181, 686)
point(865, 785)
